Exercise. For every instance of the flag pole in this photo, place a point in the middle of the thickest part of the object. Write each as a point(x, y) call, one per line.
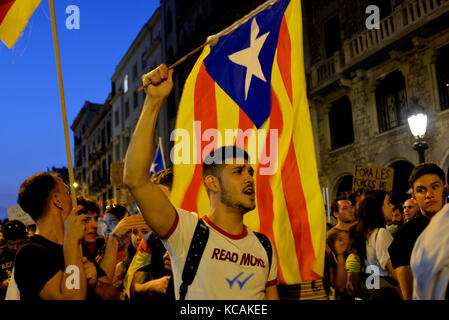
point(63, 109)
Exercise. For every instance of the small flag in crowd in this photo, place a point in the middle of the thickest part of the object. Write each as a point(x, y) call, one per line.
point(253, 78)
point(14, 16)
point(158, 163)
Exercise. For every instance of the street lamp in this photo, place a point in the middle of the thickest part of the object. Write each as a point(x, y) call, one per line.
point(417, 121)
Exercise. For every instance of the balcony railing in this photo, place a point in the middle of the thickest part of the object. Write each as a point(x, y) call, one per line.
point(324, 70)
point(405, 18)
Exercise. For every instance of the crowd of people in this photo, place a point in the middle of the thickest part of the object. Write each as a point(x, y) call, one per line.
point(375, 250)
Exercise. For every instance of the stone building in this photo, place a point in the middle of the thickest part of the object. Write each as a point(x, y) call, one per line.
point(362, 84)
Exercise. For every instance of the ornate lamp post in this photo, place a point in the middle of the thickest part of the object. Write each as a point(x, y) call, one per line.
point(417, 121)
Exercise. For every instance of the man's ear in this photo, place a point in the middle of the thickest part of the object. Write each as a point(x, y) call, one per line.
point(335, 214)
point(56, 202)
point(211, 183)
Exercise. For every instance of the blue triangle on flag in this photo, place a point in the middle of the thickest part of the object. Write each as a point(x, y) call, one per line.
point(158, 161)
point(261, 30)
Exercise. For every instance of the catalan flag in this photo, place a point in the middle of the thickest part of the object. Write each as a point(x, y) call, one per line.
point(14, 16)
point(253, 79)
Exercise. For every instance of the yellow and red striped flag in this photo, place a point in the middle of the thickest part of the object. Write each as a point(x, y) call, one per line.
point(14, 16)
point(253, 79)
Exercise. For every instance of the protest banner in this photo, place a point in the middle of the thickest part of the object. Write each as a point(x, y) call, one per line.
point(368, 178)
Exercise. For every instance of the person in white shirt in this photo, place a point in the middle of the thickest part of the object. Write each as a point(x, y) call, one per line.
point(234, 264)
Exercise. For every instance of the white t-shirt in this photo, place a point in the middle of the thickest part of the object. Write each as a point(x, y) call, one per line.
point(232, 266)
point(377, 250)
point(430, 259)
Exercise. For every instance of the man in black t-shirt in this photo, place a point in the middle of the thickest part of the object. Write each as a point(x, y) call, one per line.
point(49, 265)
point(15, 234)
point(427, 181)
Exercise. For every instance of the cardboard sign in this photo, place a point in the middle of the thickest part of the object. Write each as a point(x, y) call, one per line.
point(124, 197)
point(368, 178)
point(117, 173)
point(16, 213)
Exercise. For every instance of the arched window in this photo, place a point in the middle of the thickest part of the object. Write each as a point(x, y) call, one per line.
point(344, 186)
point(391, 101)
point(402, 170)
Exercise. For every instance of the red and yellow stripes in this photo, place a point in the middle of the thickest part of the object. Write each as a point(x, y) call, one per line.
point(14, 16)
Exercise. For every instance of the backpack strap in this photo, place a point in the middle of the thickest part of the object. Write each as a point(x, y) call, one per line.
point(196, 249)
point(266, 243)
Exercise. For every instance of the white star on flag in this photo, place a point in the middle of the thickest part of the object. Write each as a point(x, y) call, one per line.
point(153, 167)
point(249, 57)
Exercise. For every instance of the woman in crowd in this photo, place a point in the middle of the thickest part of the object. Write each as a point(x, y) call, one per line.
point(374, 277)
point(123, 265)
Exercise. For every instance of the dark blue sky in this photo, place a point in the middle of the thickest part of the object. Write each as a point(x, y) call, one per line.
point(31, 130)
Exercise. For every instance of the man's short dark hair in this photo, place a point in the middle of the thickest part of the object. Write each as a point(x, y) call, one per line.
point(423, 169)
point(116, 210)
point(89, 205)
point(34, 193)
point(14, 230)
point(334, 205)
point(212, 164)
point(164, 177)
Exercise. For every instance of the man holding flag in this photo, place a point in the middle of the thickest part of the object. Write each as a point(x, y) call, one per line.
point(223, 272)
point(249, 77)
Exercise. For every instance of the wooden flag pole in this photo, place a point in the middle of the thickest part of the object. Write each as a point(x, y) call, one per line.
point(63, 109)
point(210, 40)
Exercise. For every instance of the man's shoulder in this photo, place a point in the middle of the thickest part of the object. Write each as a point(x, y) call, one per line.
point(412, 227)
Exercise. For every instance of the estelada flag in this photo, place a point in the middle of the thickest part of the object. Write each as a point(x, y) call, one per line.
point(253, 79)
point(14, 16)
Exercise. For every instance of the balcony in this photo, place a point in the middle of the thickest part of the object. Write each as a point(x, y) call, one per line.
point(405, 19)
point(326, 71)
point(406, 16)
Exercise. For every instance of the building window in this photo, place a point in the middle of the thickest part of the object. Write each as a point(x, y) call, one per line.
point(391, 101)
point(340, 122)
point(136, 99)
point(135, 72)
point(332, 36)
point(116, 116)
point(442, 68)
point(126, 109)
point(108, 132)
point(125, 84)
point(144, 63)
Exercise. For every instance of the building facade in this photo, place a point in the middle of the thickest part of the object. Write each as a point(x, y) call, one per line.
point(362, 84)
point(79, 127)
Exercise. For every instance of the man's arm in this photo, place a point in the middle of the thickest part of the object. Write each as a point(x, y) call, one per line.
point(57, 288)
point(154, 205)
point(405, 279)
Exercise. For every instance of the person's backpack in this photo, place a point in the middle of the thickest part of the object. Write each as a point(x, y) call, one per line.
point(196, 249)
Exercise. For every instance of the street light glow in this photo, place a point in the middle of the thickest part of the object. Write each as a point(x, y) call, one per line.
point(418, 125)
